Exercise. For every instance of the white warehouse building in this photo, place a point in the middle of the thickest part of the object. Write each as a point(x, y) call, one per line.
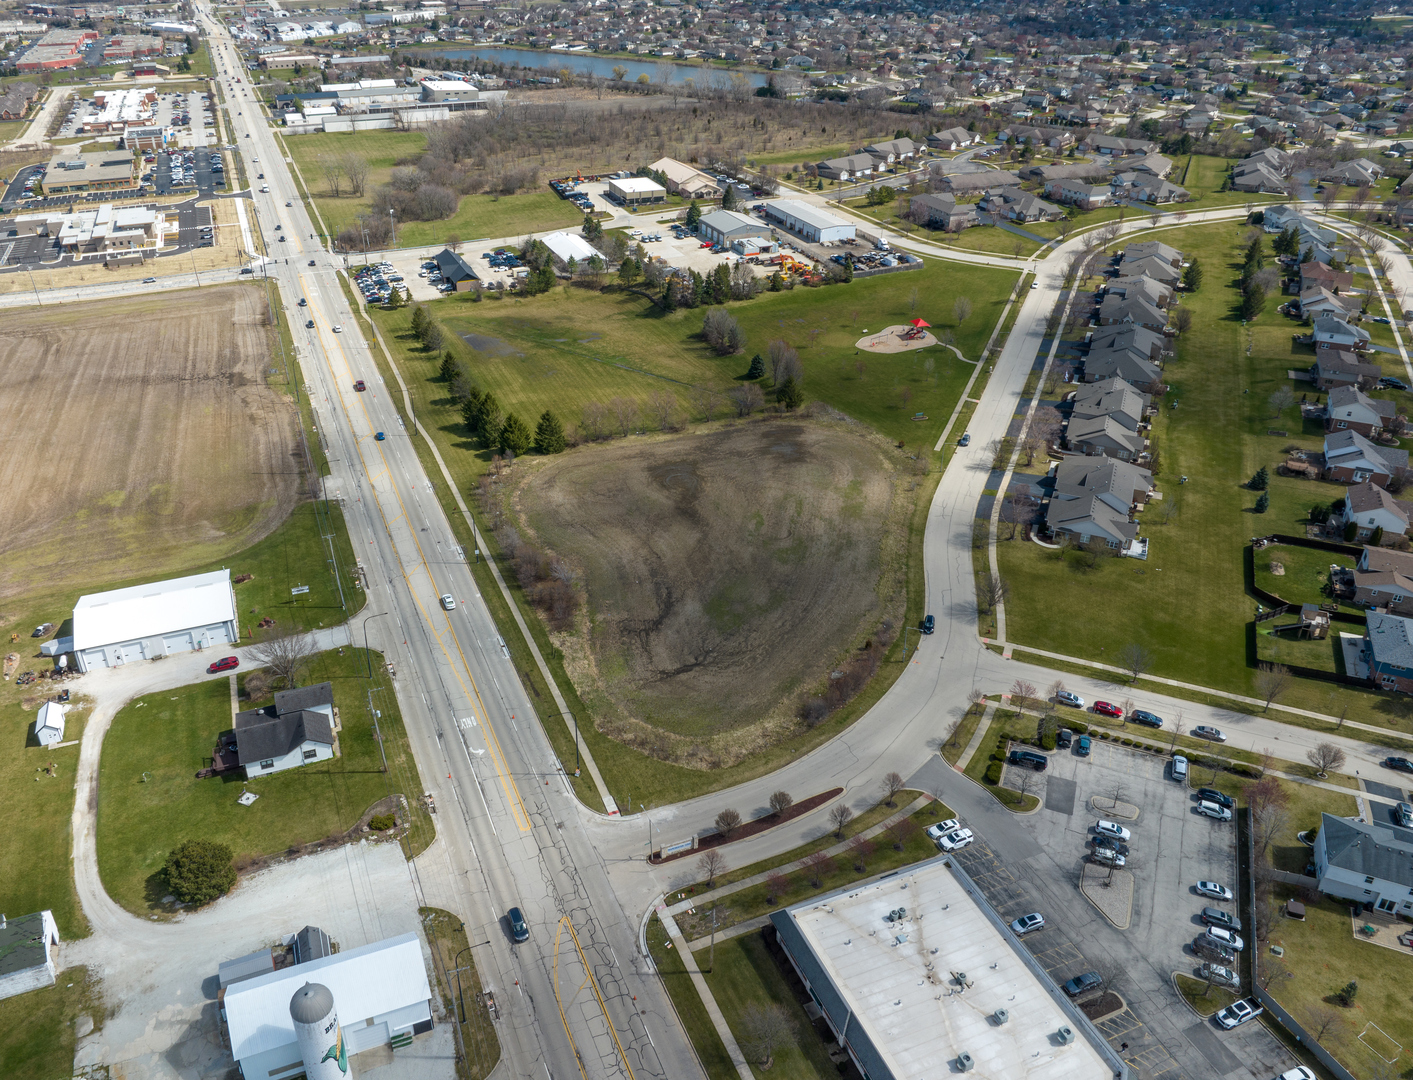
point(814, 225)
point(145, 622)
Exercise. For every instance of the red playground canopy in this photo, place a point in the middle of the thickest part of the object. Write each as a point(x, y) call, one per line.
point(920, 323)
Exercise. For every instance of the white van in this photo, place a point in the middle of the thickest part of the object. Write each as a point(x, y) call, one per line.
point(1180, 768)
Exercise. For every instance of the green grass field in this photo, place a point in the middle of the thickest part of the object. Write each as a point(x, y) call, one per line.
point(672, 969)
point(477, 216)
point(1188, 603)
point(37, 1029)
point(149, 800)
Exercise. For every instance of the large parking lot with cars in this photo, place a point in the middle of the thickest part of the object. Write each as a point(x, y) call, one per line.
point(1033, 864)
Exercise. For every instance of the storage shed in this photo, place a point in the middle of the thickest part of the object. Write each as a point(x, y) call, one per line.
point(144, 622)
point(25, 962)
point(49, 724)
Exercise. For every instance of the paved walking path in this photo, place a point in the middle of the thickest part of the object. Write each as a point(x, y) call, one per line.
point(718, 1021)
point(976, 737)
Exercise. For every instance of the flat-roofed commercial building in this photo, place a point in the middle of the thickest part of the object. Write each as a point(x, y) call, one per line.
point(724, 226)
point(123, 229)
point(918, 977)
point(106, 170)
point(808, 222)
point(636, 190)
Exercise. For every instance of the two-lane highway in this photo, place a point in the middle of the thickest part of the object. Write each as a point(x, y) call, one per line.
point(573, 999)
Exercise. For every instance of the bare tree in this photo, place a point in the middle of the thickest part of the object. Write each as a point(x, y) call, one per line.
point(1056, 689)
point(1324, 757)
point(1117, 790)
point(949, 737)
point(625, 410)
point(776, 886)
point(839, 817)
point(1126, 707)
point(712, 865)
point(286, 655)
point(961, 309)
point(860, 851)
point(991, 591)
point(355, 171)
point(594, 418)
point(1271, 822)
point(1320, 1021)
point(1023, 693)
point(333, 173)
point(890, 785)
point(900, 832)
point(1136, 660)
point(706, 402)
point(817, 865)
point(1282, 399)
point(781, 801)
point(1272, 680)
point(727, 822)
point(662, 406)
point(747, 398)
point(976, 699)
point(763, 1028)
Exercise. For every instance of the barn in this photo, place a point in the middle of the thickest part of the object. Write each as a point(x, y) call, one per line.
point(144, 622)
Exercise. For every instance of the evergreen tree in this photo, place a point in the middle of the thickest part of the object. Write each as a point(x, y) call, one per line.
point(592, 228)
point(1263, 502)
point(471, 410)
point(789, 393)
point(448, 366)
point(549, 434)
point(757, 368)
point(1288, 242)
point(419, 320)
point(1309, 255)
point(1376, 537)
point(719, 288)
point(629, 271)
point(776, 282)
point(1255, 258)
point(514, 435)
point(694, 215)
point(1192, 276)
point(729, 199)
point(1260, 481)
point(572, 266)
point(1253, 301)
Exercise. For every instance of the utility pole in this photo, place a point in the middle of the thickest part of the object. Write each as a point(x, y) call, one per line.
point(711, 964)
point(378, 735)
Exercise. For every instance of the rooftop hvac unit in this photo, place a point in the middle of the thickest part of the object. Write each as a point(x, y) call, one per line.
point(965, 1062)
point(1065, 1035)
point(1001, 1016)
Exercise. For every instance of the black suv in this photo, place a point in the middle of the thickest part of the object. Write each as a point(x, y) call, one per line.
point(1213, 795)
point(1029, 759)
point(1148, 719)
point(1063, 738)
point(1217, 917)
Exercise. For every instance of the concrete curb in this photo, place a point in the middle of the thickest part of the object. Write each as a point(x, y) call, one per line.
point(1128, 920)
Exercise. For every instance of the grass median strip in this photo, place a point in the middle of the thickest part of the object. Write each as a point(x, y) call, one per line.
point(672, 969)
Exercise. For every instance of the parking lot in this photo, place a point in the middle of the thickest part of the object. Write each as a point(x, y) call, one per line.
point(20, 248)
point(189, 114)
point(174, 172)
point(1033, 862)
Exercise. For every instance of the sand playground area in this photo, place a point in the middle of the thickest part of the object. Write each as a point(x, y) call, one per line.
point(896, 339)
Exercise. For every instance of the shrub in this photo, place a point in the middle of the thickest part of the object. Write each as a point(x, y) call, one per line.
point(199, 871)
point(1047, 741)
point(382, 822)
point(993, 773)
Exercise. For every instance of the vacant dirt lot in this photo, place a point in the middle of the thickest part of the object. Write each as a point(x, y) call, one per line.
point(723, 571)
point(137, 434)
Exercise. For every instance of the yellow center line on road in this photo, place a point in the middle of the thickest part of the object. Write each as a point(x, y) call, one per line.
point(554, 982)
point(502, 767)
point(595, 984)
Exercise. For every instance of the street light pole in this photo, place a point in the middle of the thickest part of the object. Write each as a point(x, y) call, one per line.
point(366, 651)
point(392, 220)
point(377, 735)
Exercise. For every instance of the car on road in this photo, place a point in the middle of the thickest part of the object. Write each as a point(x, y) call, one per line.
point(1146, 718)
point(1027, 923)
point(448, 602)
point(1402, 764)
point(149, 281)
point(1221, 798)
point(1112, 829)
point(929, 624)
point(288, 203)
point(379, 436)
point(1212, 810)
point(955, 841)
point(1238, 1012)
point(264, 189)
point(1103, 708)
point(1213, 916)
point(1388, 382)
point(360, 386)
point(1064, 738)
point(1082, 984)
point(1202, 731)
point(226, 663)
point(1070, 698)
point(1215, 891)
point(1222, 976)
point(1035, 284)
point(338, 328)
point(309, 324)
point(303, 302)
point(1300, 1072)
point(1082, 747)
point(313, 263)
point(1222, 936)
point(519, 930)
point(965, 440)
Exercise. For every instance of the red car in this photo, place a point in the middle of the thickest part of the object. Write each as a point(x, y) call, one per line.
point(226, 663)
point(1103, 708)
point(359, 386)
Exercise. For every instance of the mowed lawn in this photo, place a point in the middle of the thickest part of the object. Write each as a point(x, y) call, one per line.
point(38, 839)
point(477, 216)
point(150, 801)
point(1188, 603)
point(567, 348)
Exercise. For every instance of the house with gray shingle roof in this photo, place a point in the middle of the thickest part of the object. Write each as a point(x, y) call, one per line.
point(1351, 459)
point(1367, 862)
point(1104, 435)
point(1388, 650)
point(25, 960)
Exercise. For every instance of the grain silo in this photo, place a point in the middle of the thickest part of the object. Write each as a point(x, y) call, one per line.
point(316, 1028)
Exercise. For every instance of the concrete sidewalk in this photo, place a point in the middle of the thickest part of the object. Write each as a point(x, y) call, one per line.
point(976, 737)
point(718, 1021)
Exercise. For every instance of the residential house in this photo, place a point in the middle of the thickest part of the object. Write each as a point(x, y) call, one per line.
point(1104, 435)
point(1332, 332)
point(1383, 578)
point(1257, 177)
point(962, 183)
point(1122, 485)
point(1372, 509)
point(1112, 397)
point(298, 729)
point(952, 139)
point(850, 167)
point(1153, 249)
point(1320, 301)
point(1339, 367)
point(1140, 187)
point(1351, 409)
point(1355, 173)
point(1021, 206)
point(1123, 364)
point(1084, 170)
point(893, 150)
point(1351, 459)
point(1078, 193)
point(1113, 146)
point(1151, 164)
point(1135, 310)
point(1135, 339)
point(1144, 288)
point(1078, 115)
point(942, 212)
point(685, 180)
point(1368, 862)
point(1084, 519)
point(1315, 274)
point(1151, 266)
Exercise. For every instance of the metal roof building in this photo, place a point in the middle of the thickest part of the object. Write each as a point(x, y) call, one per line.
point(381, 991)
point(917, 976)
point(566, 246)
point(810, 222)
point(723, 226)
point(633, 190)
point(144, 622)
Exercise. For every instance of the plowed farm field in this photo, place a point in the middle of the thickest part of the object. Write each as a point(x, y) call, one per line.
point(138, 436)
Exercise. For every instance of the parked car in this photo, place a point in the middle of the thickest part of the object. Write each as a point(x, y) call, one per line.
point(1103, 708)
point(1215, 891)
point(955, 841)
point(1213, 916)
point(1029, 759)
point(1026, 923)
point(1202, 731)
point(965, 440)
point(1388, 382)
point(1180, 768)
point(226, 663)
point(929, 624)
point(1403, 814)
point(1063, 738)
point(1222, 976)
point(1238, 1012)
point(1107, 857)
point(1146, 718)
point(1208, 794)
point(1212, 810)
point(1300, 1072)
point(1082, 747)
point(942, 828)
point(1082, 984)
point(1402, 764)
point(519, 930)
point(1211, 950)
point(1222, 936)
point(1067, 697)
point(1109, 844)
point(1112, 829)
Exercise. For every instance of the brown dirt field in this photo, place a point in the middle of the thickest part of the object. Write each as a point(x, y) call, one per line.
point(724, 571)
point(138, 434)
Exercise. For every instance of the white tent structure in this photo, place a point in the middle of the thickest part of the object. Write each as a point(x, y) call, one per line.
point(144, 622)
point(567, 246)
